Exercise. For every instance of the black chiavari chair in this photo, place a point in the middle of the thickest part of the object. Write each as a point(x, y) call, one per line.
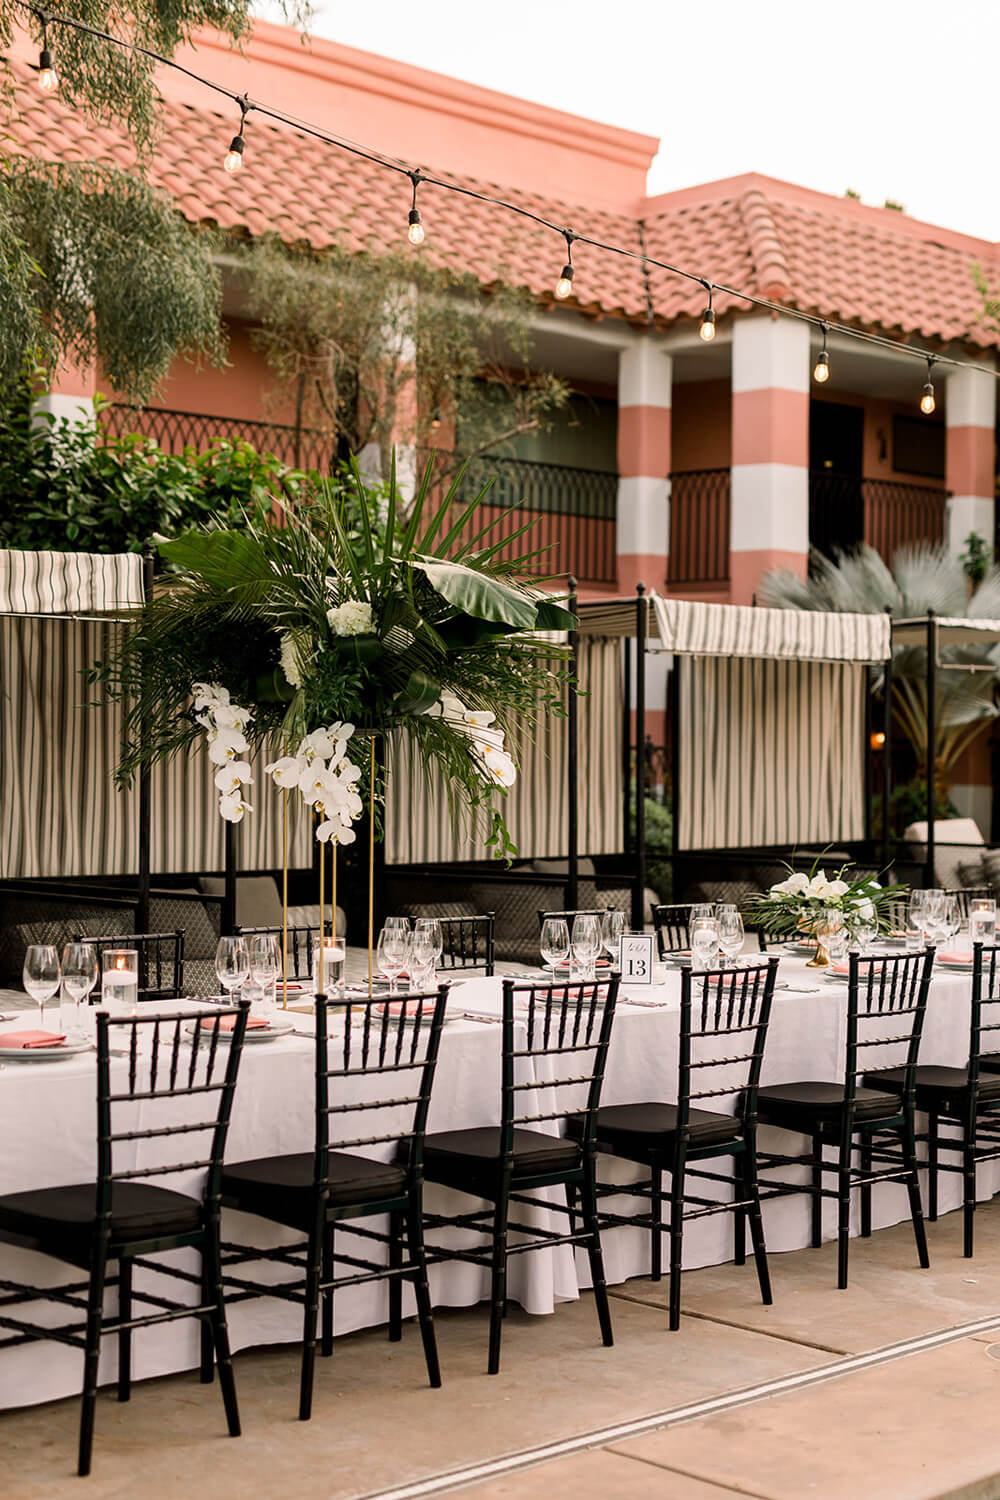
point(161, 961)
point(124, 1217)
point(384, 1063)
point(966, 1099)
point(723, 1028)
point(671, 924)
point(300, 945)
point(568, 916)
point(569, 1027)
point(863, 1113)
point(468, 942)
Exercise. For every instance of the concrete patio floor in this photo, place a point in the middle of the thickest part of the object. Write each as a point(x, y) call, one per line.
point(850, 1402)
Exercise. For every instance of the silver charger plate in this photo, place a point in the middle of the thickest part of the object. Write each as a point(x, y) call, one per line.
point(44, 1054)
point(280, 1026)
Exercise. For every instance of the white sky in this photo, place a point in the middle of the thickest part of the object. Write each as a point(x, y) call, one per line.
point(894, 98)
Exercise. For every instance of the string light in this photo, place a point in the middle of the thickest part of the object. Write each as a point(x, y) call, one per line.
point(927, 402)
point(415, 233)
point(821, 369)
point(48, 78)
point(706, 329)
point(233, 159)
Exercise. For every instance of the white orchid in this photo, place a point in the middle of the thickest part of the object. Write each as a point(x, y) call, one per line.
point(233, 775)
point(232, 808)
point(225, 745)
point(319, 745)
point(353, 617)
point(286, 772)
point(317, 785)
point(228, 716)
point(499, 766)
point(208, 695)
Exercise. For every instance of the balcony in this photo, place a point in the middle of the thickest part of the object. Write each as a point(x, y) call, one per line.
point(699, 527)
point(574, 510)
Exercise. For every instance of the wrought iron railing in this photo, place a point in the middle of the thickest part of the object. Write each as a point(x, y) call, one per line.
point(574, 510)
point(845, 509)
point(699, 526)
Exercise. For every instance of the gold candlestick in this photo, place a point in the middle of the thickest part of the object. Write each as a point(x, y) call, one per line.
point(284, 900)
point(371, 864)
point(320, 990)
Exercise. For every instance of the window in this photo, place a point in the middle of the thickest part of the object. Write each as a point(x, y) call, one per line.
point(918, 447)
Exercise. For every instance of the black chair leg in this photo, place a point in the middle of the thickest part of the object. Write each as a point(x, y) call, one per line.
point(498, 1277)
point(124, 1334)
point(817, 1192)
point(843, 1213)
point(326, 1346)
point(421, 1287)
point(207, 1366)
point(913, 1191)
point(751, 1191)
point(92, 1355)
point(395, 1282)
point(866, 1187)
point(676, 1243)
point(968, 1190)
point(595, 1255)
point(220, 1335)
point(740, 1214)
point(656, 1231)
point(310, 1318)
point(571, 1204)
point(932, 1166)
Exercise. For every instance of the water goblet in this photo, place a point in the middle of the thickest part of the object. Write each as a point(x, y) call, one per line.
point(704, 933)
point(585, 942)
point(554, 943)
point(264, 957)
point(431, 926)
point(42, 975)
point(393, 953)
point(731, 933)
point(79, 975)
point(612, 927)
point(232, 964)
point(424, 954)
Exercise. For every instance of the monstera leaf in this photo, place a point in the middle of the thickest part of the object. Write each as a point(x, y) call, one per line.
point(473, 593)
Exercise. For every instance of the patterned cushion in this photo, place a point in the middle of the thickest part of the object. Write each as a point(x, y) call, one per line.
point(991, 869)
point(441, 909)
point(973, 873)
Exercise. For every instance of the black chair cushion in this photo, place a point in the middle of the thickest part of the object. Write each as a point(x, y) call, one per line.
point(989, 1062)
point(61, 1219)
point(799, 1106)
point(642, 1132)
point(471, 1158)
point(281, 1187)
point(944, 1090)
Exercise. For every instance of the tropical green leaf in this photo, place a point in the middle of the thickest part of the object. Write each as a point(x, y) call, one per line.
point(420, 693)
point(221, 558)
point(476, 594)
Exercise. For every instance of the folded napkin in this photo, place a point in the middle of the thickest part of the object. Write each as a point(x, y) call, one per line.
point(873, 966)
point(30, 1039)
point(402, 1008)
point(254, 1023)
point(956, 958)
point(599, 963)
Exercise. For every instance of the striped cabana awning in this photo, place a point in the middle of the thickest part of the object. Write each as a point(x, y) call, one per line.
point(962, 631)
point(74, 585)
point(690, 628)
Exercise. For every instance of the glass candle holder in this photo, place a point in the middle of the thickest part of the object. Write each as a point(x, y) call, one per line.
point(982, 920)
point(333, 966)
point(120, 981)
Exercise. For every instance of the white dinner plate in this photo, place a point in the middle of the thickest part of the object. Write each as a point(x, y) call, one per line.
point(280, 1026)
point(958, 966)
point(801, 949)
point(44, 1054)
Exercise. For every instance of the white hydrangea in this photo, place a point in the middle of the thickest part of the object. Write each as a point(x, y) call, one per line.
point(291, 663)
point(353, 617)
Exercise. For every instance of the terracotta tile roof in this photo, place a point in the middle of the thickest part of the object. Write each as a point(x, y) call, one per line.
point(832, 257)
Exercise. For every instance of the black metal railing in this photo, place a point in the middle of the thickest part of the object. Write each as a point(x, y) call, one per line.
point(845, 509)
point(174, 431)
point(699, 526)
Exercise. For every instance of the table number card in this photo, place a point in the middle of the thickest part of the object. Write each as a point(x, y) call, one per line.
point(637, 958)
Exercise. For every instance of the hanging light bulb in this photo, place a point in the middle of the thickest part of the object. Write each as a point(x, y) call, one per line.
point(706, 328)
point(821, 369)
point(565, 283)
point(927, 402)
point(415, 233)
point(48, 78)
point(233, 159)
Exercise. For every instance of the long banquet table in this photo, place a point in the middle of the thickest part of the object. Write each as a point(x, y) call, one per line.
point(48, 1117)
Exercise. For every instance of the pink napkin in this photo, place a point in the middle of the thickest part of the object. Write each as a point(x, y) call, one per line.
point(956, 958)
point(30, 1039)
point(400, 1008)
point(254, 1023)
point(599, 963)
point(843, 968)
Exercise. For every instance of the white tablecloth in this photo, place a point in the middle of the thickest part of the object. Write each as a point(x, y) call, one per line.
point(48, 1122)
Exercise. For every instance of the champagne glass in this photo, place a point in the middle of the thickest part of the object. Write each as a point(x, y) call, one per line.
point(731, 932)
point(232, 964)
point(264, 958)
point(392, 953)
point(554, 943)
point(612, 927)
point(585, 941)
point(41, 974)
point(704, 933)
point(79, 975)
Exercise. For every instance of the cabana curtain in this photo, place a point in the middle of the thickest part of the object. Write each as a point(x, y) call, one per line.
point(69, 583)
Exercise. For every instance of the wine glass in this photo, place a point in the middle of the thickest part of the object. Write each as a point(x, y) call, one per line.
point(585, 941)
point(79, 975)
point(916, 912)
point(835, 934)
point(612, 927)
point(41, 975)
point(731, 932)
point(232, 963)
point(704, 934)
point(864, 928)
point(425, 954)
point(264, 958)
point(432, 927)
point(392, 953)
point(554, 943)
point(951, 918)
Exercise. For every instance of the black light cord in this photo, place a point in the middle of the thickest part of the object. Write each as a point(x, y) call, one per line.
point(402, 168)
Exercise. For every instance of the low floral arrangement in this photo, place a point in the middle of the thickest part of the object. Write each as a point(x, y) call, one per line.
point(798, 904)
point(320, 627)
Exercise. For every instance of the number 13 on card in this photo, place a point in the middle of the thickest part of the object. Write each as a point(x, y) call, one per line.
point(637, 958)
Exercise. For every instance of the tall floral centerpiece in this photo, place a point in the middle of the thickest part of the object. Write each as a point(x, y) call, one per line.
point(320, 629)
point(799, 905)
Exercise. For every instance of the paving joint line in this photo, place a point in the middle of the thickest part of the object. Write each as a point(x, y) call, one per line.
point(639, 1458)
point(767, 1333)
point(605, 1437)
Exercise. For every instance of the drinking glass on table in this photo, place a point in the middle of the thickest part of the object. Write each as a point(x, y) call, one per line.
point(704, 934)
point(982, 920)
point(612, 927)
point(393, 953)
point(834, 933)
point(864, 928)
point(232, 964)
point(424, 953)
point(950, 920)
point(41, 975)
point(79, 975)
point(264, 957)
point(917, 910)
point(585, 942)
point(704, 909)
point(431, 927)
point(731, 932)
point(554, 943)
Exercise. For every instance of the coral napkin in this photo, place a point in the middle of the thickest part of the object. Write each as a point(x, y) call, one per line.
point(254, 1023)
point(956, 958)
point(30, 1039)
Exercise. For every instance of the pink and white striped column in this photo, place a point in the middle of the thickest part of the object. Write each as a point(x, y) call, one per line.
point(769, 522)
point(71, 397)
point(645, 375)
point(970, 417)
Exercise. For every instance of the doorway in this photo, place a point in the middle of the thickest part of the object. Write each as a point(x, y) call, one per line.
point(836, 496)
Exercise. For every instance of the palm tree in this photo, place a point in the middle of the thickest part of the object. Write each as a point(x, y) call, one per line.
point(922, 577)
